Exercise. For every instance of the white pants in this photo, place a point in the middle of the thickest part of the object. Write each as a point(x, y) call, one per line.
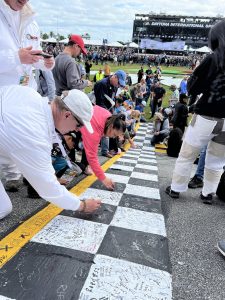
point(201, 131)
point(7, 167)
point(5, 202)
point(10, 172)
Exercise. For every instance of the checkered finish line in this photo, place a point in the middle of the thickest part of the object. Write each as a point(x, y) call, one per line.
point(120, 252)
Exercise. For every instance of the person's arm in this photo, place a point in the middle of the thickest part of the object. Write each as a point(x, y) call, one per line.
point(200, 79)
point(73, 77)
point(100, 91)
point(50, 84)
point(91, 149)
point(165, 127)
point(37, 169)
point(36, 166)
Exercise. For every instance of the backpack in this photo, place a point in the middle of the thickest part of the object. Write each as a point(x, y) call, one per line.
point(174, 142)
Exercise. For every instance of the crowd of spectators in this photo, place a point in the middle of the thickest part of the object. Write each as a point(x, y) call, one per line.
point(118, 56)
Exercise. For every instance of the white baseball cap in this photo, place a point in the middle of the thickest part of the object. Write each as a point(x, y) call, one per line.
point(80, 105)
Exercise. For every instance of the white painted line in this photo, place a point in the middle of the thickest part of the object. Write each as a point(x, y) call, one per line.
point(139, 220)
point(135, 155)
point(112, 278)
point(147, 156)
point(72, 233)
point(148, 148)
point(139, 138)
point(144, 176)
point(122, 167)
point(134, 150)
point(118, 178)
point(148, 160)
point(146, 167)
point(147, 152)
point(143, 125)
point(141, 134)
point(149, 135)
point(107, 197)
point(130, 161)
point(138, 143)
point(142, 130)
point(142, 191)
point(5, 298)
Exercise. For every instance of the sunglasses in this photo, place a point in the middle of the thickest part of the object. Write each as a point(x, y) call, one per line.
point(79, 122)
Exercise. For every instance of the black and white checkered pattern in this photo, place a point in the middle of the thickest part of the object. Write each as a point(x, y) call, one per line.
point(121, 252)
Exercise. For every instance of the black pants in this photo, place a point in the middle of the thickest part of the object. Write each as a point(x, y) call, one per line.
point(156, 104)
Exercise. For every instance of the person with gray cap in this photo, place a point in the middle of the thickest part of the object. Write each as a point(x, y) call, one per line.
point(27, 132)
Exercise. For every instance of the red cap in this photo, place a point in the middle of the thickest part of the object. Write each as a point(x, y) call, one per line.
point(77, 39)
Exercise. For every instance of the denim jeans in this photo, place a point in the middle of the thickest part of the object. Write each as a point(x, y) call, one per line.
point(104, 145)
point(201, 164)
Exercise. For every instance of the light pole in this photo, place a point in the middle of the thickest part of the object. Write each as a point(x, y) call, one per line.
point(139, 29)
point(138, 41)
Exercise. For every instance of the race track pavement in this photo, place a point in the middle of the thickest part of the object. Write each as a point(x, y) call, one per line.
point(119, 252)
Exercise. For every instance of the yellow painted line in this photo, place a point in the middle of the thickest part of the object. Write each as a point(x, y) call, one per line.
point(14, 241)
point(160, 146)
point(160, 151)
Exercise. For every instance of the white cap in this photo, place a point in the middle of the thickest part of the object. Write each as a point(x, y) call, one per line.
point(79, 104)
point(143, 102)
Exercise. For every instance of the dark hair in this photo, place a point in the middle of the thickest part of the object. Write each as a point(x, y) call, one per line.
point(116, 122)
point(217, 43)
point(182, 97)
point(70, 43)
point(119, 101)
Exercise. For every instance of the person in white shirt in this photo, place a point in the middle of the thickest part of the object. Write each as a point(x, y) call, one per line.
point(19, 46)
point(27, 131)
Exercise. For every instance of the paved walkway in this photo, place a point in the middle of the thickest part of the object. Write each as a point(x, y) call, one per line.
point(120, 252)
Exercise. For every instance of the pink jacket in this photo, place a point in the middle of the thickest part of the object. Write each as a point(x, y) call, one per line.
point(91, 141)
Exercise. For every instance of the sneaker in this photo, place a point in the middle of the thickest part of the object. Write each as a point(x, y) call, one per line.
point(12, 186)
point(195, 182)
point(207, 199)
point(221, 247)
point(172, 193)
point(108, 155)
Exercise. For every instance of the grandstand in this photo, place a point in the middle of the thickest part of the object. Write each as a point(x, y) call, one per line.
point(186, 30)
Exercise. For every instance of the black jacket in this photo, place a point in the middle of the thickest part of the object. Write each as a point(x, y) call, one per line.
point(209, 81)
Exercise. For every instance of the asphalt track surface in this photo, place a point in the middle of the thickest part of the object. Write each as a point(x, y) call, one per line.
point(42, 270)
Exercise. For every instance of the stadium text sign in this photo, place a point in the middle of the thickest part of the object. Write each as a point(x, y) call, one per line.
point(173, 24)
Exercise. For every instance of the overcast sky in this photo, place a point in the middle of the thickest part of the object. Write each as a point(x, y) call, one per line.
point(112, 19)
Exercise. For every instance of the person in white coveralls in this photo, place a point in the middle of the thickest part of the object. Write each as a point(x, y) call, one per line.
point(19, 42)
point(27, 130)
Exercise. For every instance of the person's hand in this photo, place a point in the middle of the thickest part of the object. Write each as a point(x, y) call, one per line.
point(27, 55)
point(134, 146)
point(89, 83)
point(156, 133)
point(89, 205)
point(108, 183)
point(49, 62)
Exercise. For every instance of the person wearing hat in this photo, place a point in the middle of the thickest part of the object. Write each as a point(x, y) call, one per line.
point(27, 136)
point(107, 87)
point(140, 106)
point(67, 73)
point(161, 128)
